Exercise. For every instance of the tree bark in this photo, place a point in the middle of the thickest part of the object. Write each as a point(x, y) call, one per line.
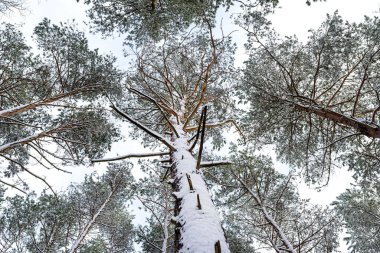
point(363, 127)
point(198, 226)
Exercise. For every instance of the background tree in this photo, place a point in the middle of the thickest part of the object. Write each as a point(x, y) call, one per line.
point(8, 6)
point(154, 194)
point(263, 205)
point(149, 19)
point(318, 102)
point(359, 208)
point(89, 217)
point(45, 109)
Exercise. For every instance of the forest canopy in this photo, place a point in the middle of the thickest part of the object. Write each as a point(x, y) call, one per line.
point(203, 178)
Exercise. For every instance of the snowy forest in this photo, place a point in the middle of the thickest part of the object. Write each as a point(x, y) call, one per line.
point(181, 148)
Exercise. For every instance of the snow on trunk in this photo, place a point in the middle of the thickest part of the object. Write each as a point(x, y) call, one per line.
point(90, 223)
point(197, 219)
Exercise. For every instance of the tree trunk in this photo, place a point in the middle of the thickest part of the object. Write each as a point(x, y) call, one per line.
point(198, 226)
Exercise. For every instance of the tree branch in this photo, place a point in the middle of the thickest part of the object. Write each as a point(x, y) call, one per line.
point(362, 127)
point(217, 124)
point(145, 129)
point(158, 107)
point(214, 163)
point(198, 132)
point(8, 146)
point(12, 186)
point(202, 138)
point(129, 156)
point(33, 105)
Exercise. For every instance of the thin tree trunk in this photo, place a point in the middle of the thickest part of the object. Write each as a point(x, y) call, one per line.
point(89, 224)
point(269, 219)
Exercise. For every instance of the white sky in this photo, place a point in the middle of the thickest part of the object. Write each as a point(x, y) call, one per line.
point(294, 17)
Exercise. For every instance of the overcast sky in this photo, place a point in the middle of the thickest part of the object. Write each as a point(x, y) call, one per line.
point(293, 17)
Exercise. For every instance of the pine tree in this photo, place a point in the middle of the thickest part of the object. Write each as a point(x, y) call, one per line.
point(45, 111)
point(152, 19)
point(88, 217)
point(264, 207)
point(317, 101)
point(359, 208)
point(175, 93)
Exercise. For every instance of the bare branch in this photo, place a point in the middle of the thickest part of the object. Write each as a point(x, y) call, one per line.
point(144, 128)
point(159, 108)
point(129, 156)
point(12, 186)
point(202, 138)
point(31, 173)
point(198, 131)
point(214, 163)
point(217, 124)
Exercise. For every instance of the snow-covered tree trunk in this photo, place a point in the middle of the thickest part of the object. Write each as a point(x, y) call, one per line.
point(172, 87)
point(198, 224)
point(81, 237)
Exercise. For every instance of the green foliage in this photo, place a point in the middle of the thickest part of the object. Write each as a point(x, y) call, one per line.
point(251, 189)
point(149, 18)
point(52, 223)
point(92, 131)
point(316, 101)
point(359, 208)
point(15, 63)
point(45, 99)
point(75, 65)
point(152, 19)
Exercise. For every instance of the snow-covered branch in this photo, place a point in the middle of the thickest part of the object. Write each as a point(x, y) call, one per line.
point(364, 128)
point(159, 107)
point(268, 217)
point(133, 155)
point(34, 105)
point(8, 146)
point(144, 128)
point(214, 163)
